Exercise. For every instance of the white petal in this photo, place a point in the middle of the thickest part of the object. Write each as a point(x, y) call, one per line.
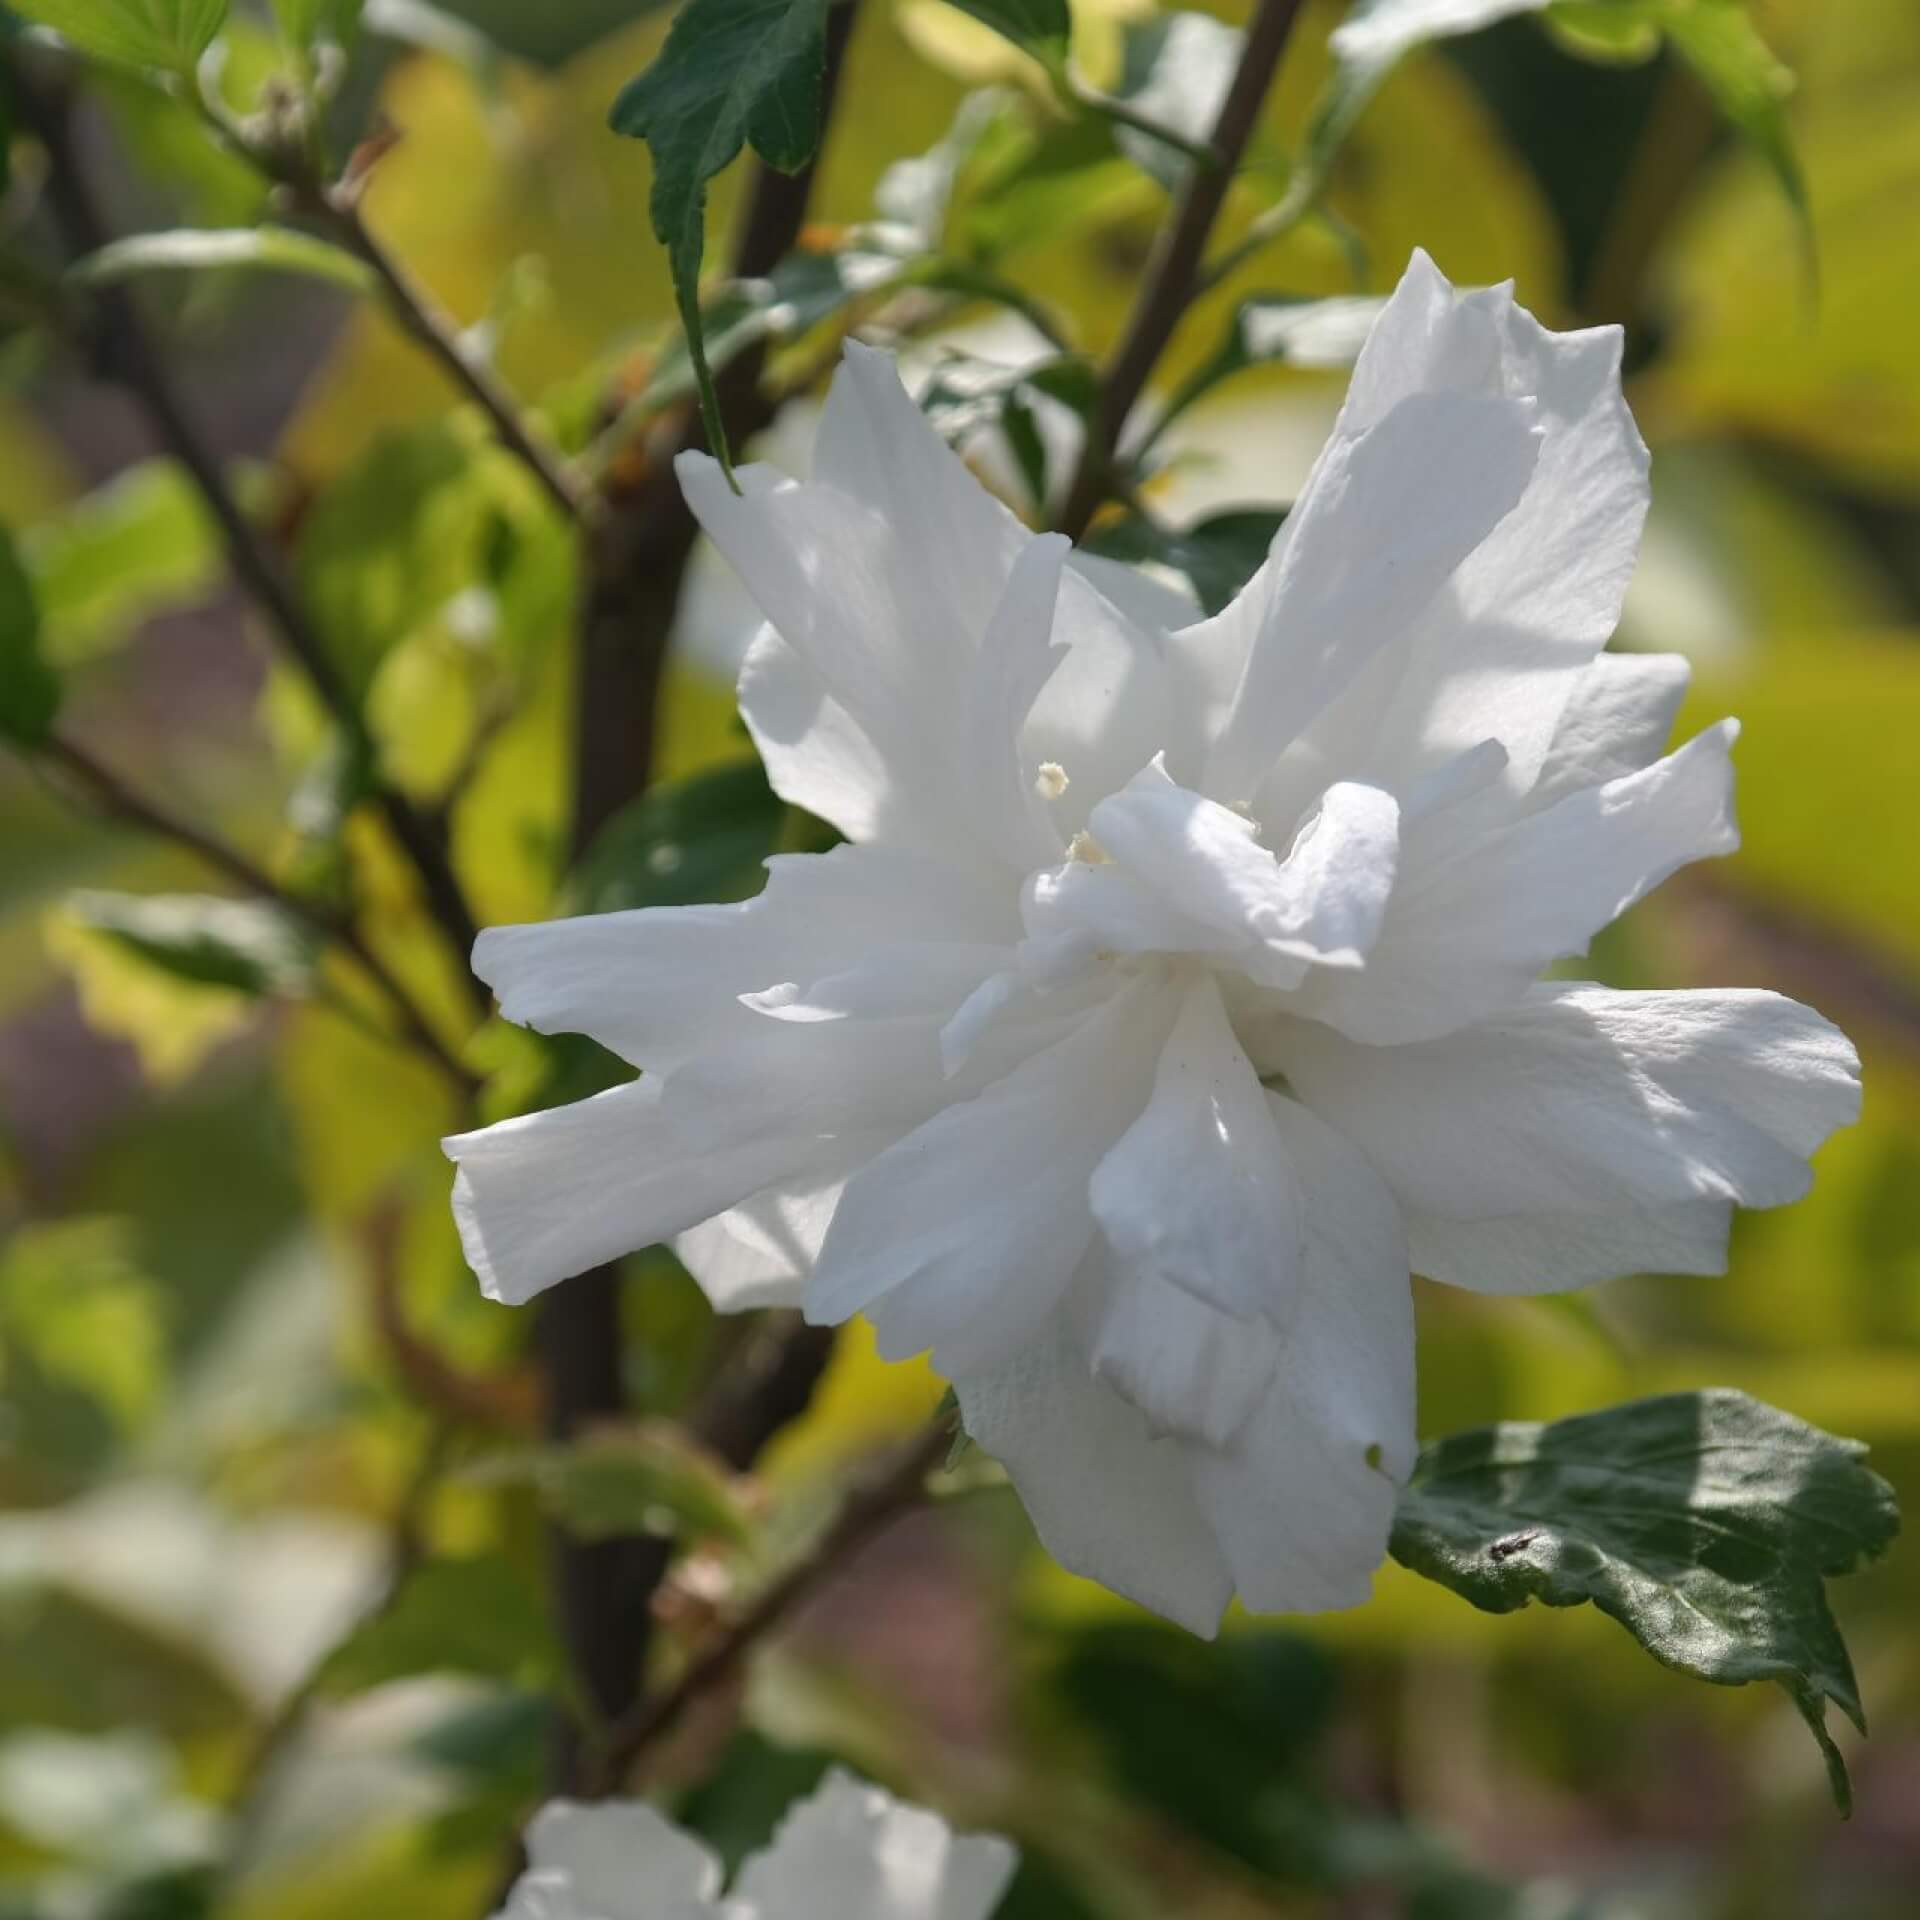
point(963, 1236)
point(1617, 721)
point(1190, 1369)
point(876, 446)
point(1197, 1193)
point(1303, 1499)
point(548, 1195)
point(761, 1252)
point(1500, 651)
point(623, 1861)
point(1385, 518)
point(1322, 903)
point(817, 756)
point(1548, 1252)
point(913, 977)
point(1582, 1100)
point(1114, 702)
point(851, 1852)
point(1469, 926)
point(1018, 654)
point(1107, 1500)
point(660, 984)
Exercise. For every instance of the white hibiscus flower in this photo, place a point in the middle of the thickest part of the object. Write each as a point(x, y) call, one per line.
point(849, 1852)
point(1179, 990)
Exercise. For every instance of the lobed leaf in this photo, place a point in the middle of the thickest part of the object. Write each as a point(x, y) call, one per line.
point(1706, 1523)
point(733, 73)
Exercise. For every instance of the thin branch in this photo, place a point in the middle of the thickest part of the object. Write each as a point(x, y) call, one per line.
point(122, 351)
point(1171, 279)
point(866, 1513)
point(114, 797)
point(427, 322)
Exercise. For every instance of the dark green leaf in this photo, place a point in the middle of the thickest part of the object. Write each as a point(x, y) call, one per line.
point(1705, 1523)
point(1218, 555)
point(169, 34)
point(246, 946)
point(181, 249)
point(694, 840)
point(1043, 28)
point(732, 73)
point(1274, 329)
point(616, 1481)
point(29, 692)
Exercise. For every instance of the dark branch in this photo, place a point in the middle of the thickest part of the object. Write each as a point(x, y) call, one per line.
point(867, 1512)
point(637, 554)
point(1172, 275)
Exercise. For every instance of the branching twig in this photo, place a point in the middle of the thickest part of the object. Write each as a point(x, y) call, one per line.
point(1172, 274)
point(337, 211)
point(868, 1510)
point(115, 798)
point(123, 352)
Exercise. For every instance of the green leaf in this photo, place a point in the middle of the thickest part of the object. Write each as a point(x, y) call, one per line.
point(1718, 40)
point(169, 34)
point(688, 841)
point(803, 290)
point(478, 1615)
point(1043, 28)
point(1274, 329)
point(185, 249)
point(1175, 72)
point(74, 1300)
point(732, 73)
point(205, 940)
point(1705, 1523)
point(1217, 556)
point(968, 395)
point(618, 1481)
point(142, 544)
point(29, 692)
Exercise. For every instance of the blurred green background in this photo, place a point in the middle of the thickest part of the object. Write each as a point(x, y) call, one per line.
point(232, 1310)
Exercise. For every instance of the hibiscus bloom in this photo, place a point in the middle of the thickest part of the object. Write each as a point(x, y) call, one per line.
point(850, 1852)
point(1178, 991)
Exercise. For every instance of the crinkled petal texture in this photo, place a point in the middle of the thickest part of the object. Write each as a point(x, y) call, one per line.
point(848, 1852)
point(1182, 989)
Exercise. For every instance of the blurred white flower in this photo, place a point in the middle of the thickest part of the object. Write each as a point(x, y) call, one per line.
point(850, 1852)
point(1179, 991)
